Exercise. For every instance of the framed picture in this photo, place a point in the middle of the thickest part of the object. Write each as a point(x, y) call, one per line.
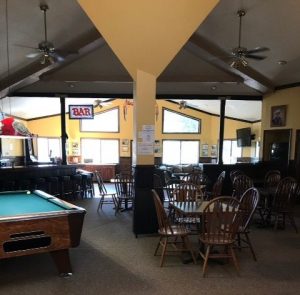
point(125, 149)
point(125, 142)
point(278, 116)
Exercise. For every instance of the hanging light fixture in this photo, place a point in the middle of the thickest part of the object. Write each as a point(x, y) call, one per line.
point(9, 126)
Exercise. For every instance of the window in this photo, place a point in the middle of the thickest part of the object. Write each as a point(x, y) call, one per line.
point(174, 122)
point(180, 152)
point(107, 121)
point(48, 148)
point(100, 151)
point(231, 151)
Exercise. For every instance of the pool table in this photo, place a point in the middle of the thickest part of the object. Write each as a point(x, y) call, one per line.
point(36, 222)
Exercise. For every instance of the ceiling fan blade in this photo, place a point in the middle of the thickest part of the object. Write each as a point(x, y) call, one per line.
point(258, 57)
point(25, 46)
point(258, 49)
point(33, 54)
point(56, 56)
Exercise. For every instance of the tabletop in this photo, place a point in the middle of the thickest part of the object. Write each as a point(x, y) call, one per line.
point(189, 208)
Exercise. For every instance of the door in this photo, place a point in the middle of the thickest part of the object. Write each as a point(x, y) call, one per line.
point(277, 145)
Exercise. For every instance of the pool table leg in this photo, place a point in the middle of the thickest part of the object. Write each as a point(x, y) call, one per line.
point(61, 259)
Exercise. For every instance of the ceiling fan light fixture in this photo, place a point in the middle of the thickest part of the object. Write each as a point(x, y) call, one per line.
point(182, 104)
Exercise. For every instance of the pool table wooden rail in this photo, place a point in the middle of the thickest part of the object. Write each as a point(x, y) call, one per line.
point(54, 232)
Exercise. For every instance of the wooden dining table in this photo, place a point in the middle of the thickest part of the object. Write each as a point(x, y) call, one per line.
point(189, 208)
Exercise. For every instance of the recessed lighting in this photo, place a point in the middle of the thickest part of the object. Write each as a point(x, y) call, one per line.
point(282, 62)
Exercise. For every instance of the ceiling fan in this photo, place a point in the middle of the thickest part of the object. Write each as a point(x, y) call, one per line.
point(182, 104)
point(239, 53)
point(46, 49)
point(101, 103)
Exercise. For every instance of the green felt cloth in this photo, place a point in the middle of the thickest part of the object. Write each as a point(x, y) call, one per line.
point(16, 204)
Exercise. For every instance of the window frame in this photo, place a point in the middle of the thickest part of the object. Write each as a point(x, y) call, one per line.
point(183, 115)
point(98, 114)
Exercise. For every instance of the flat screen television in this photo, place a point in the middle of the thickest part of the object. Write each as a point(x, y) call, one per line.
point(243, 137)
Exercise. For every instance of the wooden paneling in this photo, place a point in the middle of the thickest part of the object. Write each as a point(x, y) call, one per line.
point(107, 171)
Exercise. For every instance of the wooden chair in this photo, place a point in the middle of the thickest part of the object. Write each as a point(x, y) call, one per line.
point(186, 191)
point(170, 234)
point(105, 197)
point(221, 220)
point(240, 184)
point(284, 202)
point(249, 202)
point(234, 173)
point(217, 187)
point(198, 178)
point(125, 191)
point(271, 181)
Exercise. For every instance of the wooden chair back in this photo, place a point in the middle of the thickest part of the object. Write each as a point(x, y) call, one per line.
point(198, 178)
point(240, 184)
point(100, 183)
point(284, 195)
point(234, 173)
point(221, 220)
point(249, 202)
point(162, 218)
point(218, 185)
point(171, 186)
point(272, 179)
point(186, 191)
point(124, 185)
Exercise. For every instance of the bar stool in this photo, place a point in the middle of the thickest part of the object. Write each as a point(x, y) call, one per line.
point(77, 186)
point(66, 187)
point(53, 186)
point(87, 185)
point(39, 184)
point(7, 185)
point(23, 184)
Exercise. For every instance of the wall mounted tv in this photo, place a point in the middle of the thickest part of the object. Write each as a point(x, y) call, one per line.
point(243, 137)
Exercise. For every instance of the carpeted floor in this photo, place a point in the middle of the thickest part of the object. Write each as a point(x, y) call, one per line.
point(110, 260)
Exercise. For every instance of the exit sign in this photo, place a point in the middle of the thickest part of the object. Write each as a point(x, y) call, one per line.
point(81, 111)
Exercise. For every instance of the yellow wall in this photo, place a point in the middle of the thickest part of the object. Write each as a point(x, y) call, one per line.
point(50, 127)
point(290, 98)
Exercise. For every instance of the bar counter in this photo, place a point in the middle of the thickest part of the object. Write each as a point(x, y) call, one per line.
point(37, 171)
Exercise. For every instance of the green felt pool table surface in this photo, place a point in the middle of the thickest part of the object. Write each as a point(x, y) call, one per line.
point(19, 203)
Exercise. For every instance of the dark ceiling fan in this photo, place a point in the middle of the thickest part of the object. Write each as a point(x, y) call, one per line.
point(46, 49)
point(239, 53)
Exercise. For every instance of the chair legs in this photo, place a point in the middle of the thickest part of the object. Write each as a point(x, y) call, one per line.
point(164, 241)
point(281, 216)
point(250, 246)
point(245, 241)
point(209, 253)
point(102, 201)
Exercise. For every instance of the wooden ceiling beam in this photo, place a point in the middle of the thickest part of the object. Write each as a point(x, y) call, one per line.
point(216, 56)
point(32, 73)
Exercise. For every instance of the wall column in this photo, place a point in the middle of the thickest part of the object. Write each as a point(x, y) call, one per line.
point(144, 215)
point(64, 135)
point(221, 131)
